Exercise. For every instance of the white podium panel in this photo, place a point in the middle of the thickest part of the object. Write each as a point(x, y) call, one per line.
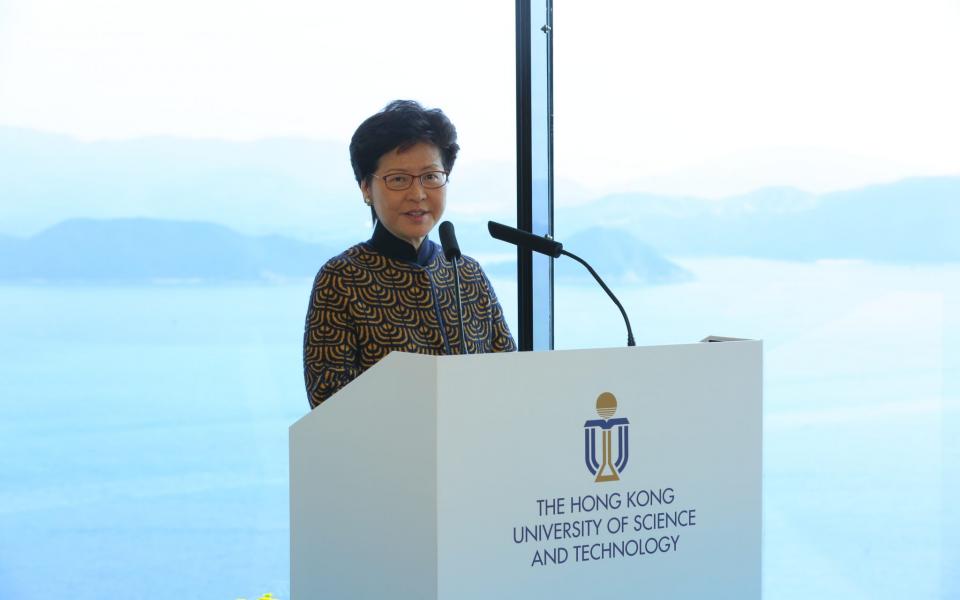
point(499, 476)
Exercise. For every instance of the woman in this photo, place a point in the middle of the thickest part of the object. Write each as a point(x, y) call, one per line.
point(396, 291)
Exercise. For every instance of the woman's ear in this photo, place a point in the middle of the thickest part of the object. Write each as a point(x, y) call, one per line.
point(365, 191)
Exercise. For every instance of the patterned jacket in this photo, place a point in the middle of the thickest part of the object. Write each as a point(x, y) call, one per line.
point(381, 296)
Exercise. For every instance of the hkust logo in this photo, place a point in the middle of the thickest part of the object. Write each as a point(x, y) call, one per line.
point(607, 468)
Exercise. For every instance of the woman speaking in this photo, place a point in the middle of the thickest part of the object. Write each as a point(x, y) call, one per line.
point(396, 290)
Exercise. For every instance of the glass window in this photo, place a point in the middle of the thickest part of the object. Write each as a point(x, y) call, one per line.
point(786, 172)
point(173, 175)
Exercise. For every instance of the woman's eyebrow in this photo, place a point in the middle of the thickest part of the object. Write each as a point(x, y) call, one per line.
point(428, 168)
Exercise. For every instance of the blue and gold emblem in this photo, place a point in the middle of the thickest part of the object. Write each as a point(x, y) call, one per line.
point(607, 469)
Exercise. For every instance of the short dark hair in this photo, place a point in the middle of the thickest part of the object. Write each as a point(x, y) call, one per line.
point(401, 125)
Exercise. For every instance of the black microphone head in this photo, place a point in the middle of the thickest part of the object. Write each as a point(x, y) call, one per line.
point(525, 239)
point(448, 240)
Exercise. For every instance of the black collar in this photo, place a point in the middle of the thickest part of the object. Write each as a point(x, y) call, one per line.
point(391, 246)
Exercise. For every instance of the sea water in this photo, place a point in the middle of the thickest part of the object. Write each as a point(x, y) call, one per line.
point(143, 429)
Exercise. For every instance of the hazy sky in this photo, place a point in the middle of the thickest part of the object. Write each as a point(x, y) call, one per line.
point(687, 95)
point(240, 70)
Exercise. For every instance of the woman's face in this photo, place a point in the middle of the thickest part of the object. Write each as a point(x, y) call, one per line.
point(409, 214)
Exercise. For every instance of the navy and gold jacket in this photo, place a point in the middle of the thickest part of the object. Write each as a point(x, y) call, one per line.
point(383, 295)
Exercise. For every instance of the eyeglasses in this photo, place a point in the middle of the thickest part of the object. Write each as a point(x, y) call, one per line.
point(401, 181)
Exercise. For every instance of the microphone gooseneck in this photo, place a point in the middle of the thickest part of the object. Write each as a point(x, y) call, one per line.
point(553, 248)
point(451, 251)
point(630, 341)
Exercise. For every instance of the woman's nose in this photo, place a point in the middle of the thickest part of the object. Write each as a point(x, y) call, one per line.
point(417, 190)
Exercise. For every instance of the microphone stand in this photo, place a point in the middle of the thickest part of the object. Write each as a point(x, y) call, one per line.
point(456, 277)
point(554, 249)
point(630, 341)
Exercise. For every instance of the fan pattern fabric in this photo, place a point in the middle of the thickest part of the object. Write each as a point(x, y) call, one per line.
point(365, 305)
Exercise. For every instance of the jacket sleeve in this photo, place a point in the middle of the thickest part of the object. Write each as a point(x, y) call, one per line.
point(330, 354)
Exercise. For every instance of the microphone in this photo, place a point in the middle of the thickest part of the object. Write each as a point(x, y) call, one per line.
point(553, 248)
point(451, 250)
point(448, 240)
point(525, 239)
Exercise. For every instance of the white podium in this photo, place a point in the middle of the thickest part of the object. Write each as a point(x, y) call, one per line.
point(620, 473)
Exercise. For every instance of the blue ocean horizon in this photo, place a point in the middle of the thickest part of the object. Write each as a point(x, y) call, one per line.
point(144, 428)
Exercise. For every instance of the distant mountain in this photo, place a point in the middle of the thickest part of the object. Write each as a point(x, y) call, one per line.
point(304, 189)
point(150, 251)
point(914, 220)
point(265, 186)
point(618, 257)
point(147, 250)
point(741, 171)
point(295, 187)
